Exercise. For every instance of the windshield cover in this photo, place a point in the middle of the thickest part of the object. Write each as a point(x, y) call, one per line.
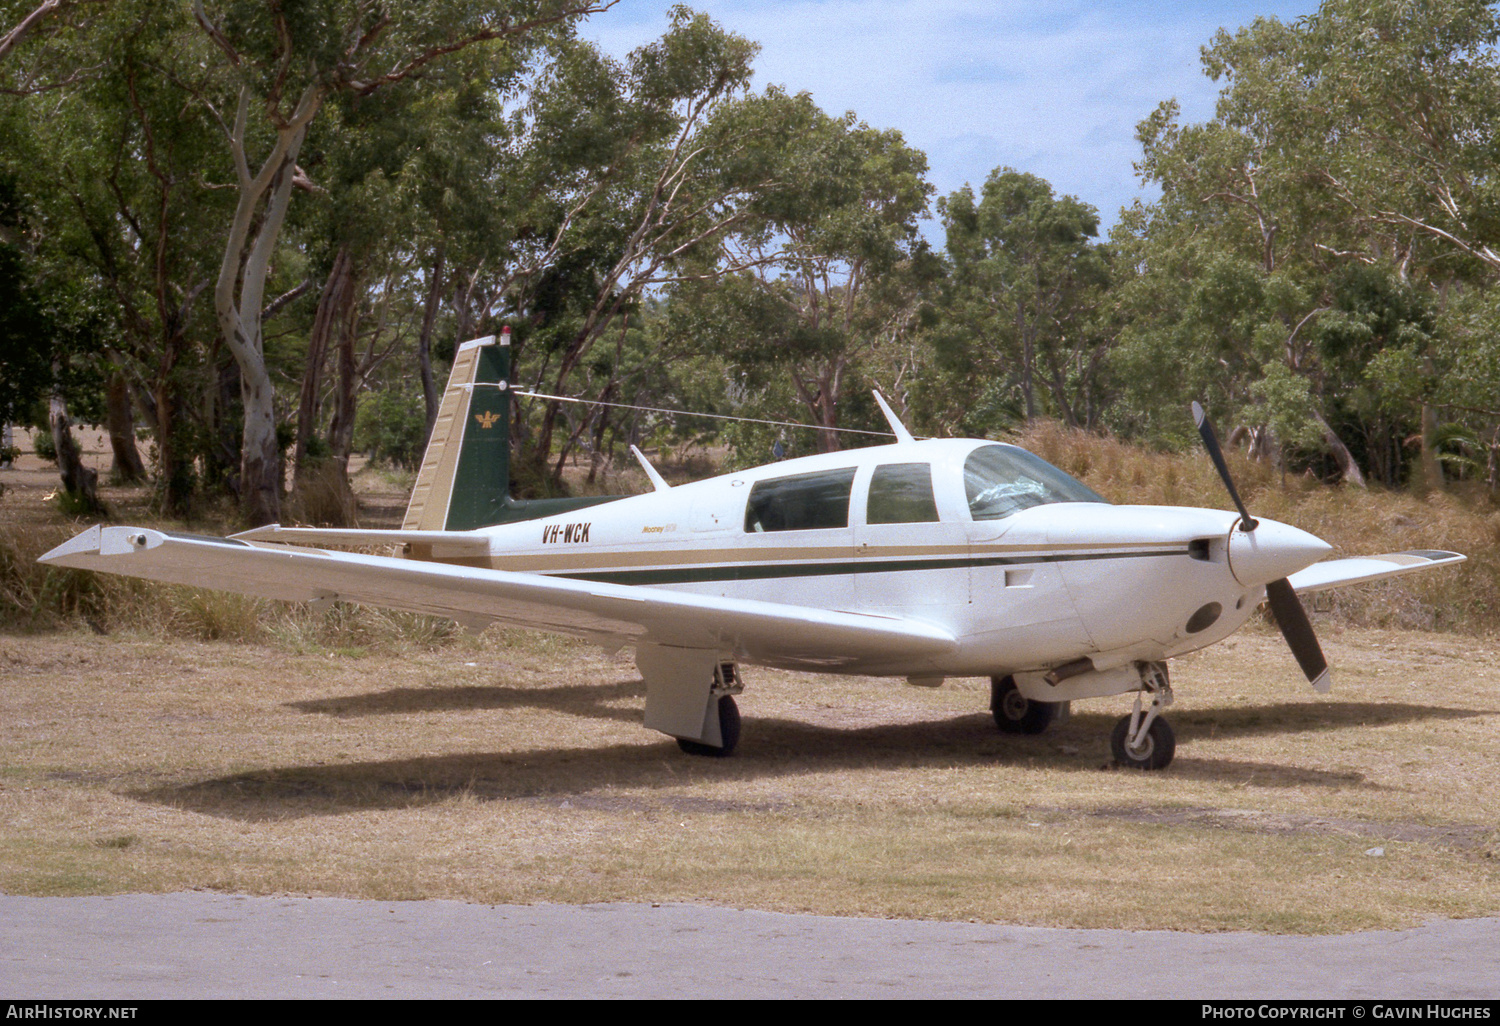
point(1002, 479)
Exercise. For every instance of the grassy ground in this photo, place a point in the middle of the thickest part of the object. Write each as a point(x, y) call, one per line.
point(505, 768)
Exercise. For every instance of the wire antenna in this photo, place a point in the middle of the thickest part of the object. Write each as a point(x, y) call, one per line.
point(712, 416)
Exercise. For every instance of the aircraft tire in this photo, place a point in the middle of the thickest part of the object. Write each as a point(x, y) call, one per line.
point(1017, 714)
point(729, 730)
point(1161, 745)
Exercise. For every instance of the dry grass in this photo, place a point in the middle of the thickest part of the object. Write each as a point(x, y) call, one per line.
point(511, 768)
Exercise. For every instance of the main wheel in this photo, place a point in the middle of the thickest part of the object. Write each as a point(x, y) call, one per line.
point(1157, 748)
point(729, 730)
point(1017, 714)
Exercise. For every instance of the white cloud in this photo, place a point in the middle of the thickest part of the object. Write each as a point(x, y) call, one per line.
point(1055, 89)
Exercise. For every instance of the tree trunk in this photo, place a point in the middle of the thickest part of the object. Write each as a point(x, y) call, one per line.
point(430, 394)
point(1492, 463)
point(176, 479)
point(1348, 469)
point(240, 292)
point(127, 466)
point(325, 321)
point(1431, 469)
point(341, 429)
point(81, 482)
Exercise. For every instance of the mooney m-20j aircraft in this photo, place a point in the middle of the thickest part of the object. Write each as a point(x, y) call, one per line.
point(924, 559)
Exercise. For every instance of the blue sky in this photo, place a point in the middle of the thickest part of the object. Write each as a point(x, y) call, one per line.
point(1053, 87)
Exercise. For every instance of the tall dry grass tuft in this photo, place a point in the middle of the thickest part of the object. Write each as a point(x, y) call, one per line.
point(344, 627)
point(1355, 521)
point(322, 498)
point(35, 597)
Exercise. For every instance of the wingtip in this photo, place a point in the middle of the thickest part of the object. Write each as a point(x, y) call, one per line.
point(85, 544)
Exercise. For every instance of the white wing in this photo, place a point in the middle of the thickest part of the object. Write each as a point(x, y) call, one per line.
point(764, 632)
point(1336, 573)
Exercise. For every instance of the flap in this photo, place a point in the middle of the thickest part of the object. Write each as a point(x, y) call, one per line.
point(445, 543)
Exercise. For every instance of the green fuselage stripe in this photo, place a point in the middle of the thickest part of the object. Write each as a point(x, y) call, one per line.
point(771, 571)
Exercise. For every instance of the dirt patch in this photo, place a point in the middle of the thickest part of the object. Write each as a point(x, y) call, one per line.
point(1452, 835)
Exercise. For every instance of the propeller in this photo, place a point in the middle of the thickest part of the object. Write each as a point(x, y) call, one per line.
point(1211, 443)
point(1291, 618)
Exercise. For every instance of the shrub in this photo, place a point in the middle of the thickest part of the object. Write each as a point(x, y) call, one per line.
point(390, 425)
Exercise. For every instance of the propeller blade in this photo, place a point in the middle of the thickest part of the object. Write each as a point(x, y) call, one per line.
point(1298, 632)
point(1211, 443)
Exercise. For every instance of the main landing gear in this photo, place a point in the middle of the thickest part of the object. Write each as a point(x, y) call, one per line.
point(1146, 741)
point(727, 684)
point(1017, 714)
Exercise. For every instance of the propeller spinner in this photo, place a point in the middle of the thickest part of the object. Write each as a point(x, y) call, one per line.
point(1291, 618)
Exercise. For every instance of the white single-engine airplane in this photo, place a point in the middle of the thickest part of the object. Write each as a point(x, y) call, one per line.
point(922, 559)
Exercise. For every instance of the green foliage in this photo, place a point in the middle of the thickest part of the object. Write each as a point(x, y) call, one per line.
point(1022, 300)
point(391, 426)
point(42, 445)
point(1314, 240)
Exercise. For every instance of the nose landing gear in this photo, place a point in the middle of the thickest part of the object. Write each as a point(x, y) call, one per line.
point(1146, 742)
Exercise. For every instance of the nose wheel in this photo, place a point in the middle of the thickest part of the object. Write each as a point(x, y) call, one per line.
point(1144, 740)
point(1153, 751)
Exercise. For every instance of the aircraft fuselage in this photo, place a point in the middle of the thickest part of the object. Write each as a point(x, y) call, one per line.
point(1036, 588)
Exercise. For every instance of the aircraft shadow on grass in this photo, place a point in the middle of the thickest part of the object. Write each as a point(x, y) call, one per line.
point(582, 699)
point(777, 747)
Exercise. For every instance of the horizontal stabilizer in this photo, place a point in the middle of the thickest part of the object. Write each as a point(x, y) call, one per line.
point(445, 543)
point(772, 633)
point(1337, 573)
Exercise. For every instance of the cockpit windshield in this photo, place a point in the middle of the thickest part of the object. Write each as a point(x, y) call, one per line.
point(1002, 479)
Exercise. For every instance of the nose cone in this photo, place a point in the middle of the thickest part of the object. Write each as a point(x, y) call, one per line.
point(1272, 551)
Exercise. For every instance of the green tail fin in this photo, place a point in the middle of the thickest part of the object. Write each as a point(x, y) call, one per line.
point(464, 481)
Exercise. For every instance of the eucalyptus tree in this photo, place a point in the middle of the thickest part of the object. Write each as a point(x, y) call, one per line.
point(281, 64)
point(1026, 275)
point(20, 19)
point(111, 153)
point(657, 166)
point(1360, 135)
point(834, 267)
point(400, 178)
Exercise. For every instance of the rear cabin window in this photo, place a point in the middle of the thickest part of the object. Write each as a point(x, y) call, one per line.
point(901, 493)
point(1002, 479)
point(803, 502)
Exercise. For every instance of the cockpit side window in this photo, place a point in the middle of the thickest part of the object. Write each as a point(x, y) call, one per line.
point(1002, 479)
point(901, 493)
point(802, 502)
